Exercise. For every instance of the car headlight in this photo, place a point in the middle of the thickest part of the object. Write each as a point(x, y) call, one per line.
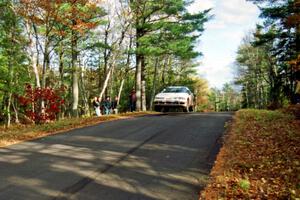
point(159, 98)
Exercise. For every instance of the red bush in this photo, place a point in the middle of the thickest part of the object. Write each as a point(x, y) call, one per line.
point(33, 100)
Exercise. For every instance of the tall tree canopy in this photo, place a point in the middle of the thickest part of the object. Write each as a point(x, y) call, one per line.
point(74, 50)
point(13, 59)
point(163, 28)
point(281, 32)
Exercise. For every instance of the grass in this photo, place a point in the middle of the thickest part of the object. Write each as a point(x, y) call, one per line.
point(260, 158)
point(20, 133)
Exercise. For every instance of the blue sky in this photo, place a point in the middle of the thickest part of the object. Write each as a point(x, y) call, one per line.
point(222, 36)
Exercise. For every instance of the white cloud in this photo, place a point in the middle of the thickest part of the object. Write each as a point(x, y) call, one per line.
point(217, 71)
point(237, 12)
point(222, 36)
point(213, 25)
point(230, 13)
point(234, 35)
point(238, 6)
point(217, 78)
point(200, 5)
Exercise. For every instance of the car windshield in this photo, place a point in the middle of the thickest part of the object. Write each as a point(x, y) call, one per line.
point(175, 90)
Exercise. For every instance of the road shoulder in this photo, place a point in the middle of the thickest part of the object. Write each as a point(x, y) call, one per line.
point(21, 133)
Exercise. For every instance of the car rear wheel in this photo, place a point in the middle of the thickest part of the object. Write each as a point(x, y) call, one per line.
point(157, 108)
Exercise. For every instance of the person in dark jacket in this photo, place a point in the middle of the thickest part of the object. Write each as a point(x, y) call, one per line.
point(107, 106)
point(132, 100)
point(114, 105)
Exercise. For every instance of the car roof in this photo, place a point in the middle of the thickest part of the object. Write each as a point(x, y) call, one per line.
point(178, 87)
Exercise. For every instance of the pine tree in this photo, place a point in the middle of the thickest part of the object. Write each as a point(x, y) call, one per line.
point(281, 29)
point(13, 68)
point(163, 27)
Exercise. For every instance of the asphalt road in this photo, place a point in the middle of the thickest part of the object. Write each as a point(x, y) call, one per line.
point(153, 157)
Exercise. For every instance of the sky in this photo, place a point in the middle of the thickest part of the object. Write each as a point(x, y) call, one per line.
point(222, 36)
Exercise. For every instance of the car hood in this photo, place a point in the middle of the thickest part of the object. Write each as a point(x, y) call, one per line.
point(170, 95)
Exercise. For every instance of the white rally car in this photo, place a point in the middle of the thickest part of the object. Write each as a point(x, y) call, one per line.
point(176, 97)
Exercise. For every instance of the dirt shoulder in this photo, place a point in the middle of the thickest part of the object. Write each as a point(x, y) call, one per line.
point(19, 133)
point(260, 158)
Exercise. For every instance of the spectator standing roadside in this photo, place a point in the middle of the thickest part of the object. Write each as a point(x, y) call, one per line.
point(114, 105)
point(96, 105)
point(132, 100)
point(107, 106)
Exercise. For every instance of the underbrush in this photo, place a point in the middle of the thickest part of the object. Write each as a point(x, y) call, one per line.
point(260, 158)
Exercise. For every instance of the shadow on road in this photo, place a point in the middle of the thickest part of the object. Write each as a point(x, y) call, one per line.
point(163, 157)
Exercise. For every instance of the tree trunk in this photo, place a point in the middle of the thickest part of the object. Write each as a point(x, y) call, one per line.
point(138, 82)
point(105, 84)
point(143, 89)
point(8, 122)
point(33, 56)
point(37, 63)
point(106, 55)
point(84, 95)
point(170, 72)
point(75, 88)
point(144, 103)
point(9, 99)
point(154, 82)
point(17, 121)
point(46, 63)
point(10, 76)
point(139, 62)
point(61, 78)
point(61, 67)
point(247, 96)
point(111, 83)
point(75, 93)
point(120, 91)
point(107, 77)
point(262, 90)
point(46, 55)
point(163, 77)
point(126, 70)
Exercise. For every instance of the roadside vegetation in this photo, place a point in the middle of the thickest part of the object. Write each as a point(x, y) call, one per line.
point(268, 59)
point(18, 133)
point(76, 50)
point(260, 158)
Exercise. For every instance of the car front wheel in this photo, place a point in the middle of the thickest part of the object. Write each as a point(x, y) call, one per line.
point(187, 108)
point(191, 108)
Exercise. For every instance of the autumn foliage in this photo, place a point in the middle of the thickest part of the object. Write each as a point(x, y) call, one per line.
point(260, 158)
point(41, 104)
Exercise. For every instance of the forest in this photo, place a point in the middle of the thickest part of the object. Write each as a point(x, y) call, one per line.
point(268, 59)
point(56, 56)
